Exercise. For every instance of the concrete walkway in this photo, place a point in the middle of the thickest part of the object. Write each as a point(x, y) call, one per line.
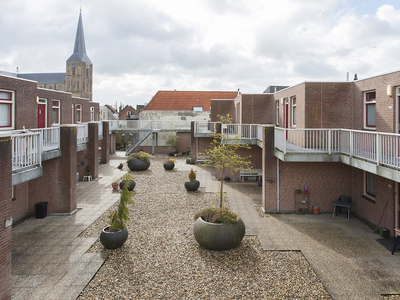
point(49, 259)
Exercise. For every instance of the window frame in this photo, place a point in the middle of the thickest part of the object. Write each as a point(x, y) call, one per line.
point(293, 110)
point(58, 108)
point(11, 103)
point(91, 113)
point(277, 112)
point(369, 102)
point(78, 109)
point(367, 190)
point(197, 108)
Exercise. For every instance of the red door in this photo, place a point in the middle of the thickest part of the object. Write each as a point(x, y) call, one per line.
point(41, 115)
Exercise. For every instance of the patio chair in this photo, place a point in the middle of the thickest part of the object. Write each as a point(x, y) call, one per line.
point(397, 241)
point(344, 202)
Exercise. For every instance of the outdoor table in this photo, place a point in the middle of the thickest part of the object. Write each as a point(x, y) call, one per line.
point(346, 205)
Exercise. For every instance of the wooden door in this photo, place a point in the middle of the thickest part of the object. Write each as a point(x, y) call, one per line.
point(41, 115)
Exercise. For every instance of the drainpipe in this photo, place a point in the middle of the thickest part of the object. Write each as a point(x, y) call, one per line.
point(277, 185)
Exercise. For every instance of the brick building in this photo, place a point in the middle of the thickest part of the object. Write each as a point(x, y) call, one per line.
point(335, 138)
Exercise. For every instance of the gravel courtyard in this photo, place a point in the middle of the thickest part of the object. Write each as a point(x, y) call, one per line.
point(162, 260)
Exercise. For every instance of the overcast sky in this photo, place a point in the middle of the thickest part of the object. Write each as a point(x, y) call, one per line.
point(140, 47)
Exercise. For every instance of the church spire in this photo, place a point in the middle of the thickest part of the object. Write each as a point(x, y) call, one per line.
point(79, 48)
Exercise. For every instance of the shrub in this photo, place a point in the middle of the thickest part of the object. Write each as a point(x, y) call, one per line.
point(139, 155)
point(192, 175)
point(170, 160)
point(217, 215)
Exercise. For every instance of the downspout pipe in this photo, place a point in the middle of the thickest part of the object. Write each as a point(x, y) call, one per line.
point(277, 184)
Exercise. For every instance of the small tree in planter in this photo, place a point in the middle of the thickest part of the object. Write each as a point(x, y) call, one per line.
point(192, 184)
point(115, 235)
point(172, 142)
point(220, 228)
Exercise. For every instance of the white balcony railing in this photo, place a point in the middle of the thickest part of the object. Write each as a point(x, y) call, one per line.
point(26, 149)
point(82, 133)
point(376, 147)
point(246, 131)
point(204, 127)
point(50, 138)
point(100, 129)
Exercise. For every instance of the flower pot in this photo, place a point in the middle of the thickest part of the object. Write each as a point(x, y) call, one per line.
point(169, 166)
point(132, 185)
point(114, 185)
point(222, 236)
point(113, 240)
point(192, 186)
point(138, 165)
point(315, 210)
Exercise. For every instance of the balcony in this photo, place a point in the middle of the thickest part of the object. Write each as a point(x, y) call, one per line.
point(375, 152)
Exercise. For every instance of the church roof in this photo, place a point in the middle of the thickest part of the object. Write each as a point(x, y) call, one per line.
point(44, 77)
point(186, 100)
point(80, 47)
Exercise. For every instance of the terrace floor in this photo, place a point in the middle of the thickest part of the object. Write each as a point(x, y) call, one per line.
point(50, 258)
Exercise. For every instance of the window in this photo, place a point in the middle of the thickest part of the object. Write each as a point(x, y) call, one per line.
point(55, 112)
point(73, 71)
point(72, 114)
point(6, 109)
point(293, 100)
point(370, 110)
point(277, 112)
point(370, 181)
point(78, 115)
point(92, 114)
point(197, 108)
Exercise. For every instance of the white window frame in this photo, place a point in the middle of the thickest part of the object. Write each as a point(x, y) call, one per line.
point(367, 190)
point(294, 110)
point(277, 111)
point(197, 108)
point(57, 107)
point(92, 113)
point(78, 109)
point(72, 114)
point(10, 102)
point(365, 113)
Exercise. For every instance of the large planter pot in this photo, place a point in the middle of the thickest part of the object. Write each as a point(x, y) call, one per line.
point(173, 152)
point(169, 166)
point(223, 236)
point(113, 240)
point(192, 186)
point(138, 165)
point(132, 185)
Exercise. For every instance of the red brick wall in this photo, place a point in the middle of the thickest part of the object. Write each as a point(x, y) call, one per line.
point(325, 182)
point(385, 116)
point(20, 203)
point(65, 105)
point(382, 212)
point(269, 189)
point(5, 212)
point(26, 112)
point(299, 92)
point(256, 109)
point(221, 107)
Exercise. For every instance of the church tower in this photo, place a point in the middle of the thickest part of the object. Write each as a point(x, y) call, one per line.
point(79, 75)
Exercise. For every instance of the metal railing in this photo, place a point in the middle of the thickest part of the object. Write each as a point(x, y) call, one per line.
point(50, 138)
point(376, 147)
point(100, 129)
point(26, 149)
point(138, 138)
point(246, 131)
point(82, 133)
point(204, 127)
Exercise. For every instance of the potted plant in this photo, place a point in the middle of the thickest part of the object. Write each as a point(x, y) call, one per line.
point(115, 184)
point(169, 164)
point(128, 179)
point(115, 235)
point(192, 184)
point(222, 229)
point(139, 161)
point(172, 143)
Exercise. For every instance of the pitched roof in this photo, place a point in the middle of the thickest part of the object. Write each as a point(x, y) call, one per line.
point(80, 47)
point(44, 77)
point(181, 100)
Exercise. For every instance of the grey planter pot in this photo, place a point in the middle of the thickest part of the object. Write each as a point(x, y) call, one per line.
point(138, 165)
point(192, 186)
point(113, 240)
point(219, 237)
point(132, 185)
point(169, 166)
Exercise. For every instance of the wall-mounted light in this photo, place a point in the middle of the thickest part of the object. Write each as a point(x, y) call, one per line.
point(389, 90)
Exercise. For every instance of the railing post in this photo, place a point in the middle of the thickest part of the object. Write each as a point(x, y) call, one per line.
point(351, 143)
point(377, 148)
point(284, 141)
point(329, 141)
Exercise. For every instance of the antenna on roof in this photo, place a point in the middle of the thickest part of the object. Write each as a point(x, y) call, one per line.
point(355, 77)
point(17, 70)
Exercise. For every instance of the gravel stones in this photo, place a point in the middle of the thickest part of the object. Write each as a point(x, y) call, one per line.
point(162, 260)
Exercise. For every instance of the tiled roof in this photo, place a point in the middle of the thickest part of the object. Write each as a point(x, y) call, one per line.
point(180, 100)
